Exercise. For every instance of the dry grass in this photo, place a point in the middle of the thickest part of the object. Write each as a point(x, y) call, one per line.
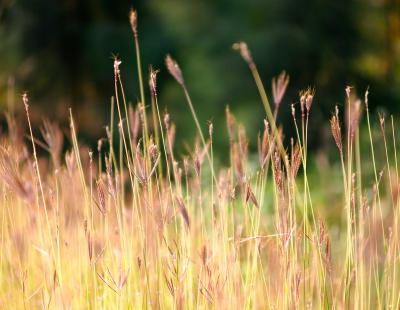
point(141, 229)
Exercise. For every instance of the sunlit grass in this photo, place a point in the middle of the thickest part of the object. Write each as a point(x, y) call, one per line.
point(133, 225)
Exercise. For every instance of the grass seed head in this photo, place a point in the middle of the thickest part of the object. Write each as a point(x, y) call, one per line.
point(348, 90)
point(153, 80)
point(336, 131)
point(166, 121)
point(117, 62)
point(279, 87)
point(100, 193)
point(173, 68)
point(309, 102)
point(296, 160)
point(382, 123)
point(133, 20)
point(153, 151)
point(244, 51)
point(186, 166)
point(25, 100)
point(230, 122)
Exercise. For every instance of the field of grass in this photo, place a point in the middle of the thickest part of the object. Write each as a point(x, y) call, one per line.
point(132, 225)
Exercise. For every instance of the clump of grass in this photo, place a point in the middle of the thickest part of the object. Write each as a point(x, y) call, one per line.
point(163, 233)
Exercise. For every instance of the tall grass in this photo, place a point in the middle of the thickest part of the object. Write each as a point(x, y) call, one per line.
point(141, 229)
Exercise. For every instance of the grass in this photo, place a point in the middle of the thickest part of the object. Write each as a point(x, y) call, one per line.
point(138, 228)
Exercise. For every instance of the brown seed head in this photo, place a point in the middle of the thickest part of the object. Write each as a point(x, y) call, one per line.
point(293, 112)
point(328, 255)
point(230, 122)
point(204, 254)
point(348, 89)
point(153, 151)
point(197, 163)
point(153, 80)
point(382, 122)
point(296, 160)
point(110, 178)
point(90, 247)
point(183, 210)
point(336, 131)
point(173, 68)
point(99, 144)
point(100, 193)
point(309, 102)
point(25, 100)
point(302, 102)
point(134, 123)
point(166, 121)
point(244, 51)
point(116, 66)
point(279, 87)
point(133, 20)
point(321, 228)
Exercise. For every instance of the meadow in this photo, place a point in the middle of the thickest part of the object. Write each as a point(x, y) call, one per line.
point(134, 225)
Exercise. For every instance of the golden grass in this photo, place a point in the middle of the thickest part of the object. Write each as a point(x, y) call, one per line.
point(140, 229)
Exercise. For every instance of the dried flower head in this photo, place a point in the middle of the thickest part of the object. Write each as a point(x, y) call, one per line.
point(328, 255)
point(348, 89)
point(306, 98)
point(230, 122)
point(25, 100)
point(204, 254)
point(166, 121)
point(293, 112)
point(173, 68)
point(133, 20)
point(279, 176)
point(197, 163)
point(153, 80)
point(99, 144)
point(279, 87)
point(117, 62)
point(296, 159)
point(186, 166)
point(302, 102)
point(110, 178)
point(336, 130)
point(90, 246)
point(134, 123)
point(244, 51)
point(249, 193)
point(183, 210)
point(264, 147)
point(382, 122)
point(153, 150)
point(309, 102)
point(210, 131)
point(100, 192)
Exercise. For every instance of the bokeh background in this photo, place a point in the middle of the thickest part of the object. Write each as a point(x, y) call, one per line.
point(60, 51)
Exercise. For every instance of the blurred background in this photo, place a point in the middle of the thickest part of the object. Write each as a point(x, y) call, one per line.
point(60, 52)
